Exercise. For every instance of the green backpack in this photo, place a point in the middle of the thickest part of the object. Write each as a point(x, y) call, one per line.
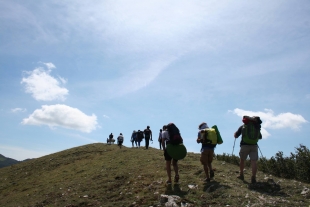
point(208, 136)
point(251, 129)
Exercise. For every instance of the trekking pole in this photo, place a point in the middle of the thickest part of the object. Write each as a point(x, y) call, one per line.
point(233, 148)
point(263, 157)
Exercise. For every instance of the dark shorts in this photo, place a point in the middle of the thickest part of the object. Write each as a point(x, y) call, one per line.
point(167, 156)
point(120, 142)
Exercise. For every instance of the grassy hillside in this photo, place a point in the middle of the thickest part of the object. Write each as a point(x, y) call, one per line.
point(104, 175)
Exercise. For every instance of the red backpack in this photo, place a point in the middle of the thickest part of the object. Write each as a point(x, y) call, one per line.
point(174, 134)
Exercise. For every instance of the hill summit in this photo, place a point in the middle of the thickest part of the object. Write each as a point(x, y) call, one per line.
point(105, 175)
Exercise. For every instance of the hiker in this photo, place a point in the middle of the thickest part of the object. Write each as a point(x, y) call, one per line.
point(120, 140)
point(110, 139)
point(159, 138)
point(139, 137)
point(165, 141)
point(148, 135)
point(134, 138)
point(207, 150)
point(248, 144)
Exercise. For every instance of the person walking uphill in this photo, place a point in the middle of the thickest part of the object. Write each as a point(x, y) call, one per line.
point(147, 135)
point(159, 138)
point(165, 141)
point(120, 140)
point(250, 132)
point(134, 138)
point(205, 137)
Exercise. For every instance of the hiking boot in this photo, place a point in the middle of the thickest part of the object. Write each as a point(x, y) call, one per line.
point(253, 180)
point(211, 174)
point(241, 177)
point(176, 178)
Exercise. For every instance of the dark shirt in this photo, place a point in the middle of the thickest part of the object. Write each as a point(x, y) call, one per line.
point(239, 132)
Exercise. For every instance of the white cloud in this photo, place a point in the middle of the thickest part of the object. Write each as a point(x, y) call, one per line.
point(272, 121)
point(16, 110)
point(43, 86)
point(62, 116)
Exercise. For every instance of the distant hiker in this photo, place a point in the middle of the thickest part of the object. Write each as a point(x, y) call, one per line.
point(250, 132)
point(165, 141)
point(140, 137)
point(148, 135)
point(134, 138)
point(120, 140)
point(110, 139)
point(159, 138)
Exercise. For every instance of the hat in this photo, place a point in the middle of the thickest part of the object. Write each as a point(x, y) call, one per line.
point(203, 125)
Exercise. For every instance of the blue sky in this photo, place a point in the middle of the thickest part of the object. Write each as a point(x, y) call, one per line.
point(72, 72)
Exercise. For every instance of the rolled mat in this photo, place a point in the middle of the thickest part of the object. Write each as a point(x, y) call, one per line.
point(219, 138)
point(177, 152)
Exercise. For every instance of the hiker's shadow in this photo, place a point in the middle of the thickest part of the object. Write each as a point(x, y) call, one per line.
point(269, 188)
point(175, 190)
point(213, 186)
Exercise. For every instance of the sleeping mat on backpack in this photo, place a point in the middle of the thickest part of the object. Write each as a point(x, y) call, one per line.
point(177, 152)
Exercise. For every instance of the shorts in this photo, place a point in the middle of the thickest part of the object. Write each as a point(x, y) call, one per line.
point(206, 156)
point(120, 142)
point(250, 150)
point(167, 156)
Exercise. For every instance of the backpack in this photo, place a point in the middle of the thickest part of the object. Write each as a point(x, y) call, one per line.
point(147, 133)
point(174, 134)
point(140, 135)
point(120, 138)
point(208, 136)
point(251, 129)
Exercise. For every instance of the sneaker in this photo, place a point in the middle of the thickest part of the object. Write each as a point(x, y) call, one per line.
point(211, 174)
point(253, 180)
point(241, 177)
point(176, 178)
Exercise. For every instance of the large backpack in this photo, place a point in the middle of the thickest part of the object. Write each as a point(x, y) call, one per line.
point(251, 129)
point(174, 134)
point(147, 133)
point(208, 136)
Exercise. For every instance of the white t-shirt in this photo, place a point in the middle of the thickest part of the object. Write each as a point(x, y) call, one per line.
point(165, 135)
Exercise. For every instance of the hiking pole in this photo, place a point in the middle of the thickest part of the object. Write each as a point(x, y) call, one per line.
point(233, 148)
point(263, 157)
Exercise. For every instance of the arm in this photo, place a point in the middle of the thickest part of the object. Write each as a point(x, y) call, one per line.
point(238, 132)
point(151, 136)
point(198, 138)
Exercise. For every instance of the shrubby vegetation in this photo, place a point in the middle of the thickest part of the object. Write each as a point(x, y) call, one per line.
point(296, 166)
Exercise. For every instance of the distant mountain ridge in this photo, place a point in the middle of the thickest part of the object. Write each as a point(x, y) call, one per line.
point(5, 161)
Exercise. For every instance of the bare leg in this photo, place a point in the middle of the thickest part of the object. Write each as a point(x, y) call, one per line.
point(168, 168)
point(254, 167)
point(241, 166)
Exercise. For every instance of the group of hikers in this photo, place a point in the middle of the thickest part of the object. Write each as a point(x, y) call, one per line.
point(208, 138)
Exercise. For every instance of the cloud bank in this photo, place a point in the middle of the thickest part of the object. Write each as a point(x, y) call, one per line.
point(62, 116)
point(43, 86)
point(272, 121)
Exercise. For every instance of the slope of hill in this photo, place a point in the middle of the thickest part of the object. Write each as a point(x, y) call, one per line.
point(5, 161)
point(104, 175)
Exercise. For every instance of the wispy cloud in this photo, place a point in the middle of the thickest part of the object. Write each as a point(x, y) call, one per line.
point(106, 116)
point(272, 121)
point(62, 116)
point(43, 86)
point(16, 110)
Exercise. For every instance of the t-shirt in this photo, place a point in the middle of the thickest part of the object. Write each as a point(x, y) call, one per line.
point(165, 136)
